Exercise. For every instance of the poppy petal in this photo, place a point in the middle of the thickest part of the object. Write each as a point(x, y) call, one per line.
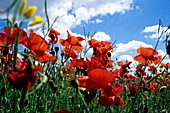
point(101, 76)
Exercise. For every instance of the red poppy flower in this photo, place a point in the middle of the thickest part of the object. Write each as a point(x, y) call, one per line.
point(87, 83)
point(108, 101)
point(78, 63)
point(127, 63)
point(94, 64)
point(105, 46)
point(167, 65)
point(4, 40)
point(36, 42)
point(93, 43)
point(53, 35)
point(153, 86)
point(118, 101)
point(69, 53)
point(24, 76)
point(111, 90)
point(73, 42)
point(132, 77)
point(43, 56)
point(101, 76)
point(147, 56)
point(133, 88)
point(100, 48)
point(14, 32)
point(123, 70)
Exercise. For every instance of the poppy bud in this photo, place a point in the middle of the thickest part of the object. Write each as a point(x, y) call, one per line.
point(16, 25)
point(52, 52)
point(56, 49)
point(23, 6)
point(62, 54)
point(52, 36)
point(37, 20)
point(26, 50)
point(109, 54)
point(30, 11)
point(94, 49)
point(162, 89)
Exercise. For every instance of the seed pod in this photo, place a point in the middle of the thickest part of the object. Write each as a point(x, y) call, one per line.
point(109, 54)
point(52, 36)
point(162, 89)
point(56, 49)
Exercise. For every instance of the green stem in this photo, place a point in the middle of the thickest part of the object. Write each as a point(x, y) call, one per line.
point(154, 78)
point(44, 81)
point(84, 102)
point(10, 7)
point(46, 14)
point(15, 50)
point(15, 13)
point(22, 100)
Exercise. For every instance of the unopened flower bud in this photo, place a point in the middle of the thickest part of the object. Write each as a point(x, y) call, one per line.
point(56, 49)
point(37, 20)
point(30, 11)
point(23, 6)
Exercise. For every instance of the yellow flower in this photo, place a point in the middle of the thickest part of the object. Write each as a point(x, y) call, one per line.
point(23, 6)
point(30, 11)
point(36, 20)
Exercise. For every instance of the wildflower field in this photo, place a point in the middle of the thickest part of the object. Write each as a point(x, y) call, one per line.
point(55, 75)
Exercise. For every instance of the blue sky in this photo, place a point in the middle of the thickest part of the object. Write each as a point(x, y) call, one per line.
point(128, 26)
point(132, 23)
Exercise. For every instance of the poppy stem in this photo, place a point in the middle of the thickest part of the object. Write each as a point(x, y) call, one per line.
point(84, 102)
point(46, 14)
point(22, 100)
point(67, 56)
point(15, 54)
point(10, 7)
point(44, 81)
point(155, 77)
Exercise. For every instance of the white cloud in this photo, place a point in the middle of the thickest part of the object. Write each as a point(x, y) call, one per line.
point(128, 51)
point(73, 12)
point(125, 57)
point(134, 63)
point(101, 36)
point(152, 31)
point(163, 53)
point(129, 47)
point(152, 36)
point(96, 21)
